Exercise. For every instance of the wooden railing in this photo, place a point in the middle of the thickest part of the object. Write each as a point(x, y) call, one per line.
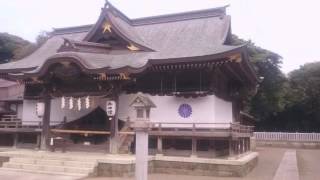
point(201, 127)
point(24, 124)
point(283, 136)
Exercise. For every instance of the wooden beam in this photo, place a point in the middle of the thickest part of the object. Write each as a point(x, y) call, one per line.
point(245, 71)
point(67, 131)
point(232, 72)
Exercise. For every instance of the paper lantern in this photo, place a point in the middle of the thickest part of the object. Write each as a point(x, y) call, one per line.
point(40, 109)
point(111, 108)
point(63, 102)
point(71, 103)
point(79, 104)
point(87, 102)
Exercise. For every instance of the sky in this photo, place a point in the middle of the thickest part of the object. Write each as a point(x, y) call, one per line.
point(287, 27)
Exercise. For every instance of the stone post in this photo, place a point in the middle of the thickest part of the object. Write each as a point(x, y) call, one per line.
point(142, 147)
point(141, 127)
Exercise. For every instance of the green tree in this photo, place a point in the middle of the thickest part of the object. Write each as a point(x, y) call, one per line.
point(270, 97)
point(13, 48)
point(303, 108)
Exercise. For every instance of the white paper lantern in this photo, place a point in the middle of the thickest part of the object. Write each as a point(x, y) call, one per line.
point(79, 104)
point(71, 103)
point(40, 109)
point(87, 102)
point(111, 108)
point(63, 102)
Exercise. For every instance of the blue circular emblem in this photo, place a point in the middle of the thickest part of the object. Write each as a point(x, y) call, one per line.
point(185, 110)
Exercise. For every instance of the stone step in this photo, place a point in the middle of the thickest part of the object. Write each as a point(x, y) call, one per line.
point(75, 175)
point(54, 162)
point(47, 168)
point(53, 156)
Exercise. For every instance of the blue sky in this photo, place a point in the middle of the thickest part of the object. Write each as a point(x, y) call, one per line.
point(289, 28)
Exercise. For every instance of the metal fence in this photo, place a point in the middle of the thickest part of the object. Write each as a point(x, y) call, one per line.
point(283, 136)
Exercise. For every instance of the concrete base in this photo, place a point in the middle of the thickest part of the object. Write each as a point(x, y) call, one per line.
point(253, 143)
point(108, 165)
point(185, 166)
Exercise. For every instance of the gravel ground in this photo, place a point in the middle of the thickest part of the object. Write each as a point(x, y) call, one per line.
point(269, 160)
point(308, 164)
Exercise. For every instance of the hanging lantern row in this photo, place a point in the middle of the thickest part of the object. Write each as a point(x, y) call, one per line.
point(40, 109)
point(80, 103)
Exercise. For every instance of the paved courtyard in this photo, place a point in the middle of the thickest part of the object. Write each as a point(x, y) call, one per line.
point(269, 161)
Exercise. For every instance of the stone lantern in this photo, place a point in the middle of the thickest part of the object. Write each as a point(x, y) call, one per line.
point(141, 125)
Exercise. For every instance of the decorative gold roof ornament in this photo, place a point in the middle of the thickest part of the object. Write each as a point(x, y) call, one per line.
point(65, 63)
point(102, 76)
point(236, 58)
point(124, 76)
point(106, 27)
point(132, 47)
point(35, 80)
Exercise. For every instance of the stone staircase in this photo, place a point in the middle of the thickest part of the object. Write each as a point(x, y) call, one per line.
point(126, 140)
point(75, 166)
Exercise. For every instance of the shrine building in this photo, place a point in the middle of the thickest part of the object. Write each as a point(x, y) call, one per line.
point(181, 68)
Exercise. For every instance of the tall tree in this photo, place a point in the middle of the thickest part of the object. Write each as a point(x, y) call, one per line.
point(303, 109)
point(270, 97)
point(13, 48)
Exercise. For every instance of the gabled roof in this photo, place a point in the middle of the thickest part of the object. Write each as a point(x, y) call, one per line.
point(142, 101)
point(190, 36)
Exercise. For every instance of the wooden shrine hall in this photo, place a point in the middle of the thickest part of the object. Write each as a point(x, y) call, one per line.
point(183, 65)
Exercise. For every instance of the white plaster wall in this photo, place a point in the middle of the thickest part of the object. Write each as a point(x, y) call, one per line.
point(20, 111)
point(29, 115)
point(57, 114)
point(208, 109)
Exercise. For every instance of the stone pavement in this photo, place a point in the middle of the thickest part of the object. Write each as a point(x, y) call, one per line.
point(13, 175)
point(288, 168)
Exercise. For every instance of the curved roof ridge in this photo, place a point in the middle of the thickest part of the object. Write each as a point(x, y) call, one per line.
point(127, 33)
point(171, 17)
point(157, 19)
point(181, 16)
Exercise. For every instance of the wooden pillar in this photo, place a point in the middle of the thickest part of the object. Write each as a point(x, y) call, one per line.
point(241, 145)
point(159, 145)
point(194, 147)
point(45, 124)
point(38, 141)
point(114, 129)
point(248, 143)
point(237, 146)
point(231, 147)
point(15, 140)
